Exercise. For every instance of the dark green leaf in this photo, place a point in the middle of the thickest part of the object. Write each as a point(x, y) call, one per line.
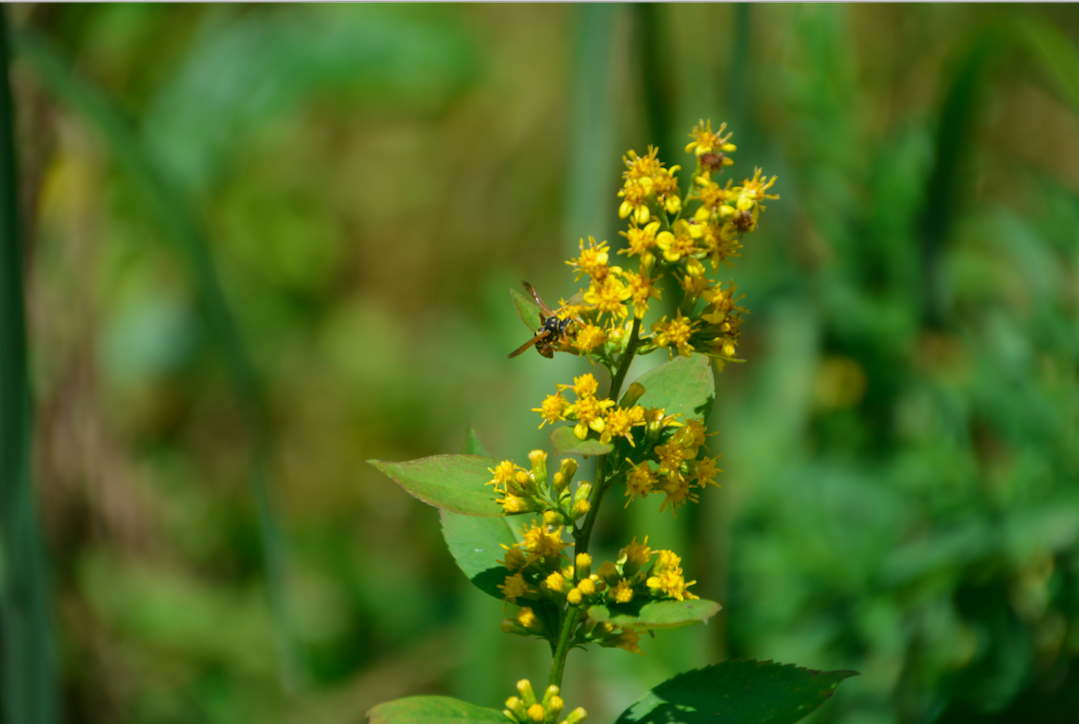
point(476, 544)
point(528, 309)
point(566, 443)
point(684, 385)
point(451, 482)
point(432, 710)
point(736, 692)
point(656, 614)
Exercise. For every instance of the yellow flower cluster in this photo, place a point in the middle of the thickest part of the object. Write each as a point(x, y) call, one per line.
point(676, 468)
point(632, 576)
point(527, 709)
point(591, 413)
point(526, 491)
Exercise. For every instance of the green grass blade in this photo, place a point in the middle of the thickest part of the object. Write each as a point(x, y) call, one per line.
point(954, 131)
point(192, 244)
point(28, 685)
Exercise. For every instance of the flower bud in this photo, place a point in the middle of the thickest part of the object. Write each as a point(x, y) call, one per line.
point(580, 508)
point(587, 587)
point(555, 582)
point(522, 484)
point(553, 517)
point(576, 716)
point(554, 708)
point(536, 713)
point(574, 596)
point(552, 691)
point(584, 491)
point(568, 469)
point(528, 619)
point(608, 573)
point(634, 393)
point(524, 687)
point(517, 707)
point(538, 458)
point(583, 563)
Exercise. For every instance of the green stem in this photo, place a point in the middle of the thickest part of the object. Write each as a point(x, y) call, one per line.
point(582, 536)
point(28, 682)
point(569, 625)
point(623, 365)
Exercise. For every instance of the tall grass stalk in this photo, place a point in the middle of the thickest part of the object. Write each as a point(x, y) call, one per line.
point(28, 685)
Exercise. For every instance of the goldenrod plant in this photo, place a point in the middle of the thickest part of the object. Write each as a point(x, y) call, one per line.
point(521, 532)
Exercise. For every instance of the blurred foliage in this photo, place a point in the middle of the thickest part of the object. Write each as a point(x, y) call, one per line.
point(902, 450)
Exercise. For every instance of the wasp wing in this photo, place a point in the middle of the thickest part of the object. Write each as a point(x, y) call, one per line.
point(524, 347)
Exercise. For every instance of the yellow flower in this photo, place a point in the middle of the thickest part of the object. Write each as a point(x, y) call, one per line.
point(704, 472)
point(623, 592)
point(589, 337)
point(513, 587)
point(670, 454)
point(667, 577)
point(552, 409)
point(704, 141)
point(527, 618)
point(640, 291)
point(639, 482)
point(556, 582)
point(640, 239)
point(639, 167)
point(588, 412)
point(541, 543)
point(677, 244)
point(620, 423)
point(678, 493)
point(635, 200)
point(690, 437)
point(592, 261)
point(512, 504)
point(752, 191)
point(504, 473)
point(608, 296)
point(635, 554)
point(675, 332)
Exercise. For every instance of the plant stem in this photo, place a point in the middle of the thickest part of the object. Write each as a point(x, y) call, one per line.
point(569, 625)
point(627, 357)
point(29, 691)
point(582, 536)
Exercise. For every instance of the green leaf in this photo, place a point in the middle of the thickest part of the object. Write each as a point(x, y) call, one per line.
point(432, 710)
point(476, 544)
point(473, 446)
point(566, 443)
point(736, 692)
point(451, 482)
point(684, 385)
point(528, 309)
point(656, 614)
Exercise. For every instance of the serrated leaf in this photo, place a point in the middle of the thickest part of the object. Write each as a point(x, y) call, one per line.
point(656, 614)
point(476, 545)
point(528, 309)
point(457, 483)
point(473, 446)
point(432, 710)
point(684, 385)
point(566, 443)
point(736, 692)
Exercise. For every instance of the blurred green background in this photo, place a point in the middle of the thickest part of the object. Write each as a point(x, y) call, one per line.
point(266, 243)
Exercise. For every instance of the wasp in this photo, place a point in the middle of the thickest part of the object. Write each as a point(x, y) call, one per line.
point(553, 329)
